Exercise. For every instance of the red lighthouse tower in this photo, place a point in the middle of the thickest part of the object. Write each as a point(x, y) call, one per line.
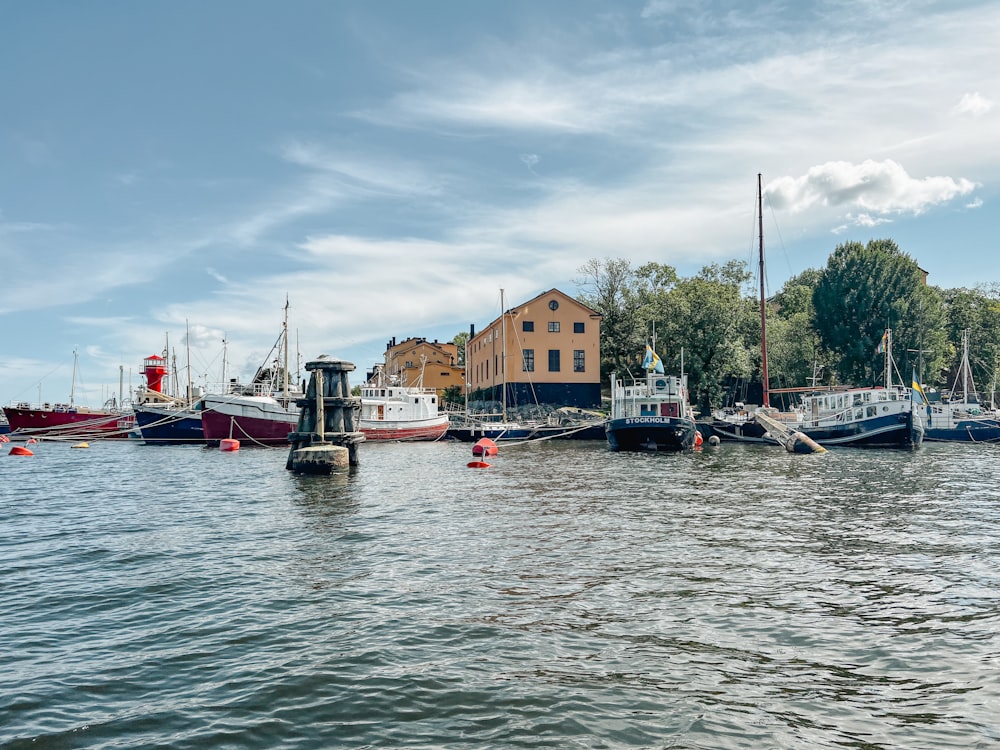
point(154, 368)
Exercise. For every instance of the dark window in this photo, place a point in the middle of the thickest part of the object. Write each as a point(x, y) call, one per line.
point(578, 360)
point(553, 326)
point(578, 328)
point(527, 326)
point(528, 360)
point(553, 360)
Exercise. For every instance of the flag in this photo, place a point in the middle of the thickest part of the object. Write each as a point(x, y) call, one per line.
point(918, 392)
point(880, 349)
point(647, 361)
point(651, 362)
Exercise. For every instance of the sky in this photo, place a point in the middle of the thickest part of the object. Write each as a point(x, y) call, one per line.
point(389, 166)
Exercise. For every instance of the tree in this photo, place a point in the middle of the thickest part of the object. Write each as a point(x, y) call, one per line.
point(608, 286)
point(703, 317)
point(863, 290)
point(460, 340)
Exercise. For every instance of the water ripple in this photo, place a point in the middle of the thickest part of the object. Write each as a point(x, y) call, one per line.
point(567, 597)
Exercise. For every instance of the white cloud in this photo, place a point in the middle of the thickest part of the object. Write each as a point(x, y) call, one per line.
point(881, 187)
point(974, 104)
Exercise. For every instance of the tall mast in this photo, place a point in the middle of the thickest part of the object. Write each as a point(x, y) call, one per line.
point(187, 340)
point(763, 315)
point(503, 354)
point(284, 334)
point(72, 385)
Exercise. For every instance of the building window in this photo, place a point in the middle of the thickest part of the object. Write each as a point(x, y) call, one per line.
point(578, 361)
point(527, 326)
point(528, 360)
point(578, 328)
point(553, 326)
point(553, 360)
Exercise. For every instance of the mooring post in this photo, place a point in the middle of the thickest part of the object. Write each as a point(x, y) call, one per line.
point(325, 439)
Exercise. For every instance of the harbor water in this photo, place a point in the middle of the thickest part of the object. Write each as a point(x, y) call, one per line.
point(564, 597)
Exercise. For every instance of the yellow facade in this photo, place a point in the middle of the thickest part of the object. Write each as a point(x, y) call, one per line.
point(546, 350)
point(429, 364)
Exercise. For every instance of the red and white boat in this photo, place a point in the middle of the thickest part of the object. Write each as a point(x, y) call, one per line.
point(262, 413)
point(398, 412)
point(254, 418)
point(68, 421)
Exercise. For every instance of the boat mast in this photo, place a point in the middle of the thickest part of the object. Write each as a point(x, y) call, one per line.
point(888, 358)
point(763, 314)
point(72, 384)
point(284, 334)
point(503, 355)
point(187, 338)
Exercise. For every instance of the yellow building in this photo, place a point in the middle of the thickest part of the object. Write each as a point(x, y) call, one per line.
point(419, 362)
point(544, 351)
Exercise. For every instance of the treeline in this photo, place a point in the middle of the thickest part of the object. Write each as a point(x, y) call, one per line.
point(824, 324)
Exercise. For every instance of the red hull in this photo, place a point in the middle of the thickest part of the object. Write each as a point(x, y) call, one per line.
point(266, 429)
point(40, 421)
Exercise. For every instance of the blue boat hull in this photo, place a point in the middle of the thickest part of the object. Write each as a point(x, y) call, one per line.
point(157, 428)
point(650, 434)
point(972, 432)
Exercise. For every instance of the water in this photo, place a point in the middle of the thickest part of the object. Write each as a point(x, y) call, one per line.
point(566, 597)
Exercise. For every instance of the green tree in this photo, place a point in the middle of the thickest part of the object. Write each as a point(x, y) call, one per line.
point(863, 290)
point(608, 286)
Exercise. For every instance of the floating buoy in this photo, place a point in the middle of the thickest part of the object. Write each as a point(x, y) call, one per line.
point(20, 450)
point(698, 440)
point(484, 447)
point(478, 465)
point(714, 440)
point(80, 445)
point(229, 445)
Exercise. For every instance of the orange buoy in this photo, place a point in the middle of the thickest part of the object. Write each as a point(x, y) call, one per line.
point(698, 438)
point(484, 447)
point(20, 450)
point(478, 465)
point(229, 445)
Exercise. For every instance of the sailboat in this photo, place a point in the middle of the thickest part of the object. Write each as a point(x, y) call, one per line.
point(878, 416)
point(957, 416)
point(68, 421)
point(261, 413)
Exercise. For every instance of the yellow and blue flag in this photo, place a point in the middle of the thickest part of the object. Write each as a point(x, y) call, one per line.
point(918, 392)
point(651, 362)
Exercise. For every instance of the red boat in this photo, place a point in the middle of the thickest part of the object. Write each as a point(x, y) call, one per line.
point(54, 420)
point(68, 420)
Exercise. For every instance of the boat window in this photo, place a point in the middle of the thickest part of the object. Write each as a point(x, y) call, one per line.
point(872, 411)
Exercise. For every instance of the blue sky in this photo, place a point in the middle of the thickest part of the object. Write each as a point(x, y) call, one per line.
point(389, 166)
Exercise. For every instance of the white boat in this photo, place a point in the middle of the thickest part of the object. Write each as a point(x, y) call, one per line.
point(262, 413)
point(399, 412)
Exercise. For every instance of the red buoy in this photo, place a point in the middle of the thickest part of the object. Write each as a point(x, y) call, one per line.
point(229, 445)
point(484, 447)
point(20, 450)
point(478, 465)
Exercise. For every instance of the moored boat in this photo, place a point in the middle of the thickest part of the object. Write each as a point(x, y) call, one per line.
point(68, 421)
point(397, 412)
point(651, 414)
point(264, 412)
point(957, 416)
